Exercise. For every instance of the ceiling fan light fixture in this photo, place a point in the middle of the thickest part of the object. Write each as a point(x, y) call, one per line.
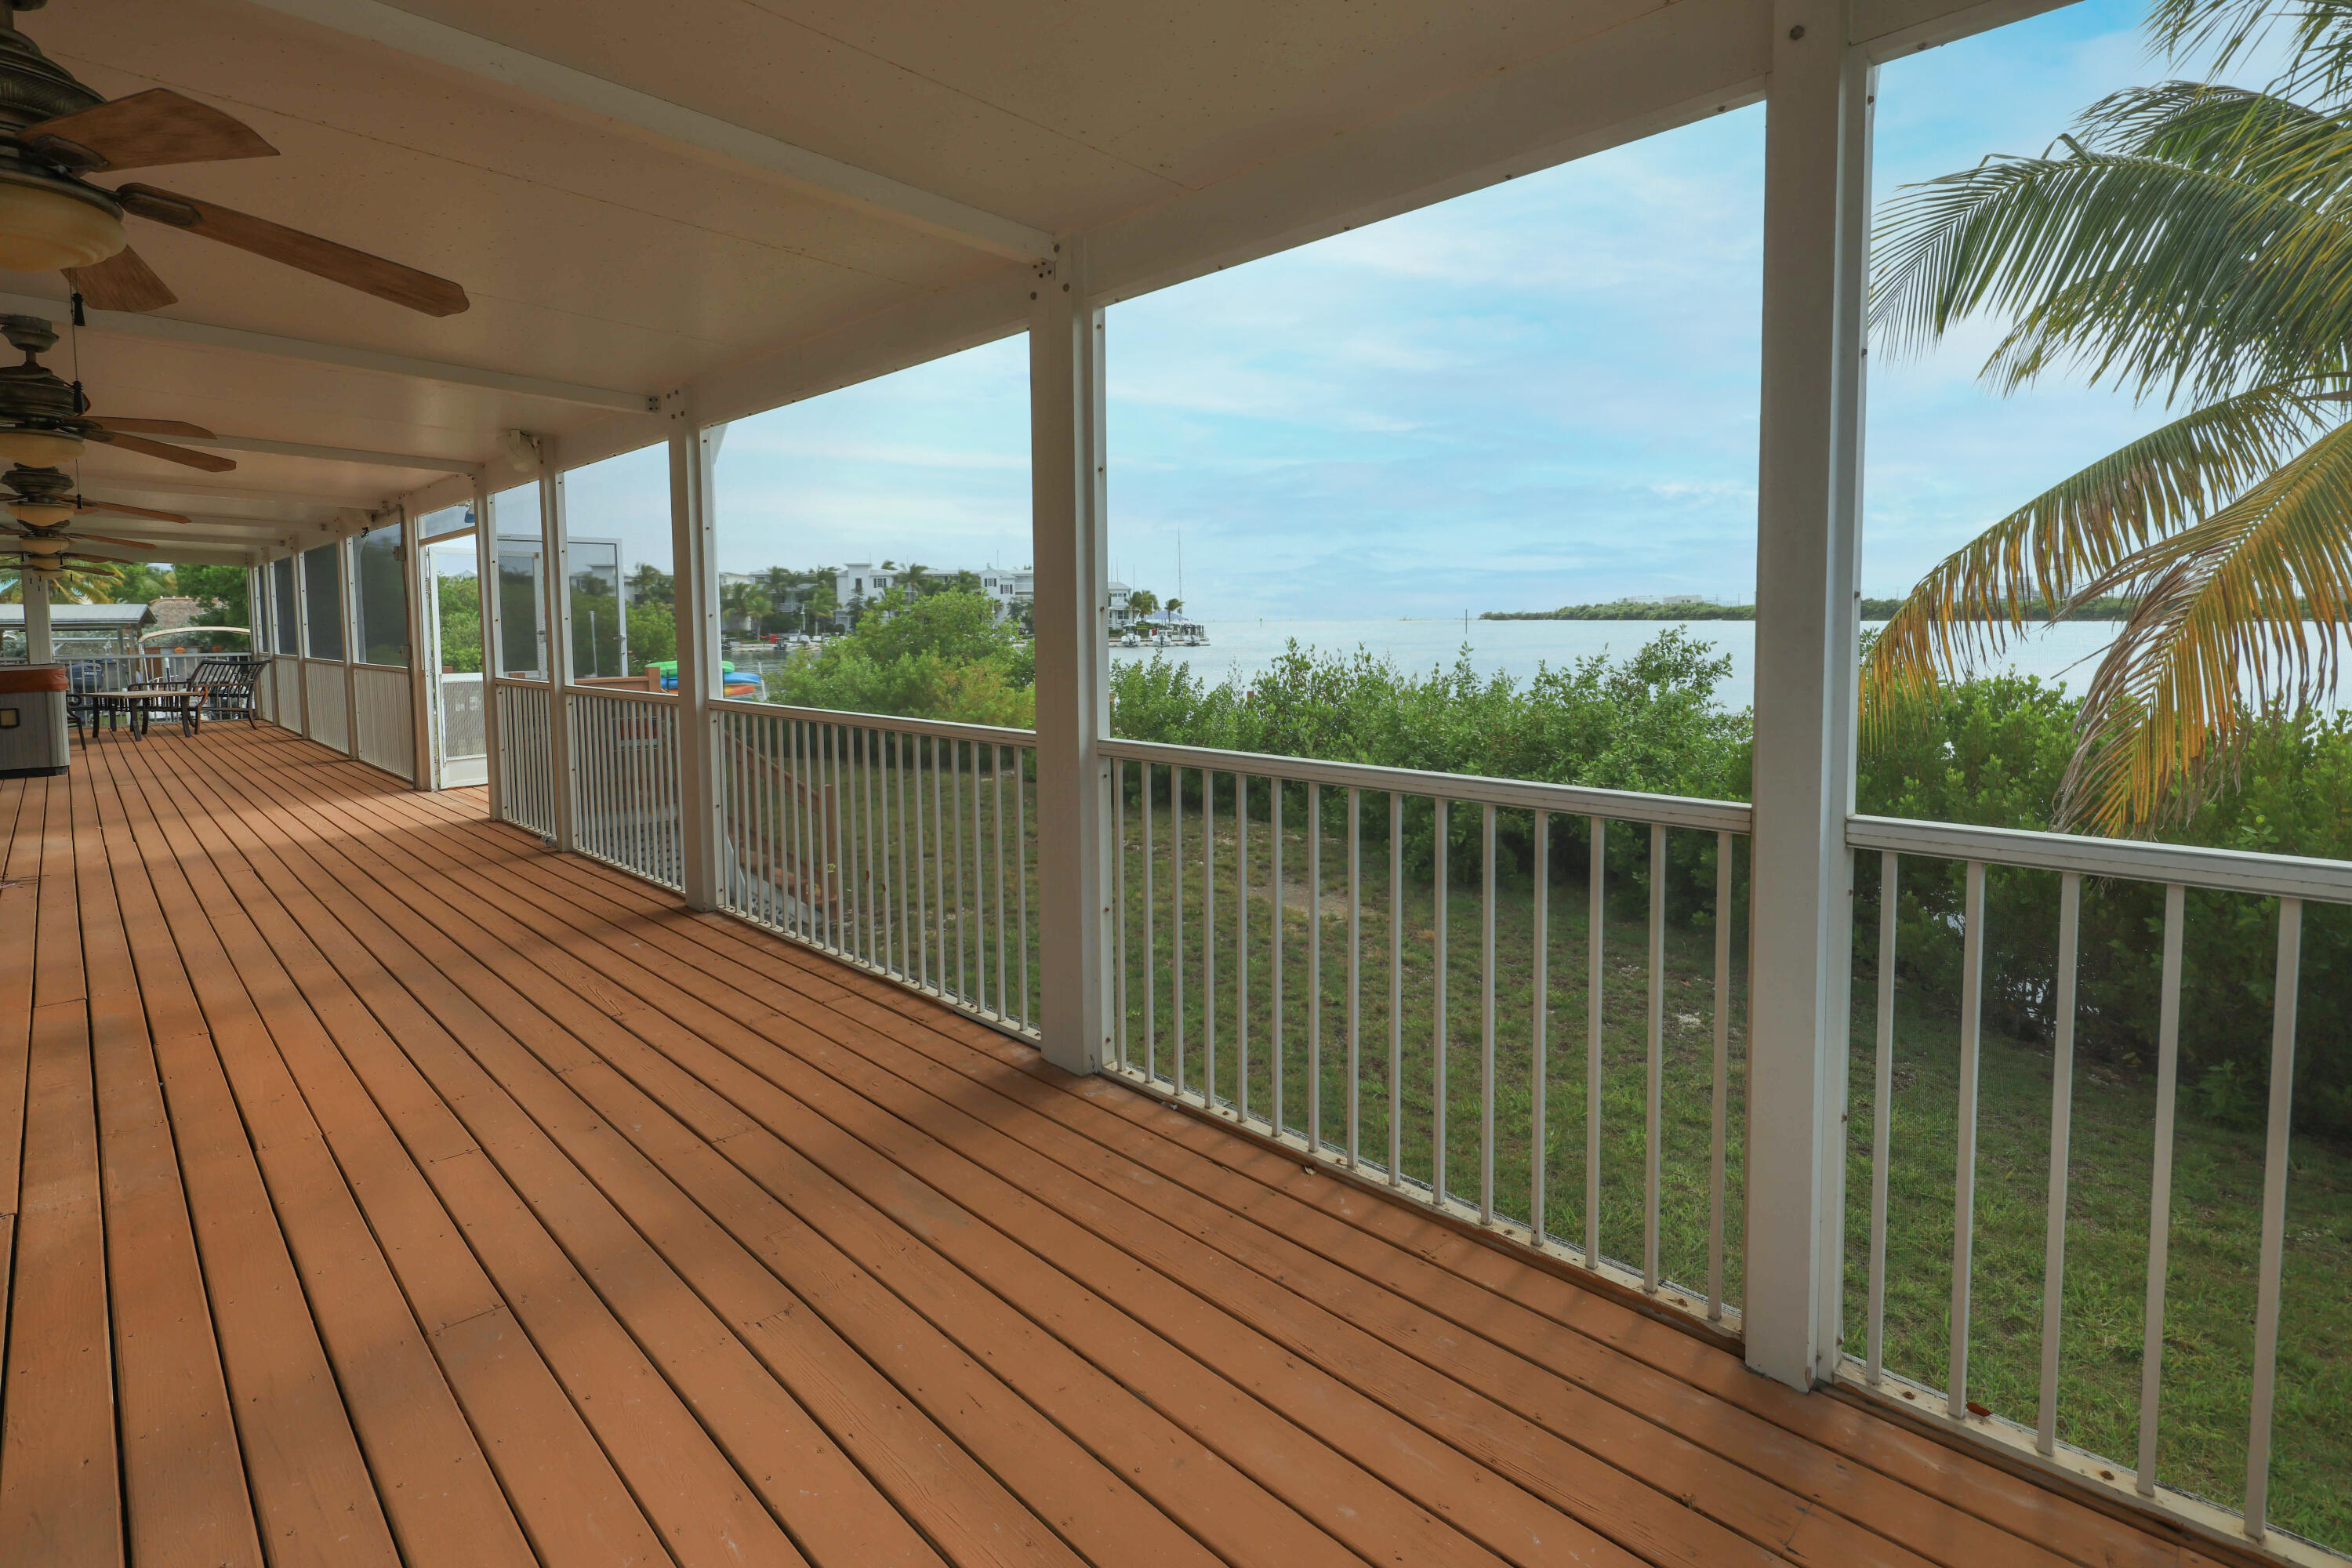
point(39, 449)
point(41, 513)
point(46, 227)
point(49, 550)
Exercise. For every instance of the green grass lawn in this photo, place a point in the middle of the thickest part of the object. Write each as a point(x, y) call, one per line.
point(2218, 1174)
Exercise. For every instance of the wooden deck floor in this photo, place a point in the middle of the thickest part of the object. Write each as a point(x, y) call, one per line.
point(378, 1188)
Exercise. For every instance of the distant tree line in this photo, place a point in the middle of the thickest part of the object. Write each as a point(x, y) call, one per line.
point(2109, 609)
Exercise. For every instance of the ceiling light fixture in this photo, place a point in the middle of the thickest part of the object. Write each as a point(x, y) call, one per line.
point(47, 224)
point(39, 449)
point(41, 513)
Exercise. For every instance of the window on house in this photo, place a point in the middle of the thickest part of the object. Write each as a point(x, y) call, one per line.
point(380, 592)
point(323, 600)
point(522, 584)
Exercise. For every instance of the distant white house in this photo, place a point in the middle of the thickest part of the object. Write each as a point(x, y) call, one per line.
point(863, 580)
point(1012, 591)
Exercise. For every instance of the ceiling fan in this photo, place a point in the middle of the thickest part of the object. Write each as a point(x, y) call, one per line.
point(44, 420)
point(42, 501)
point(54, 132)
point(47, 556)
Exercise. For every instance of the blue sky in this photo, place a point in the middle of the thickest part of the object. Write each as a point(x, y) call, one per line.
point(1539, 393)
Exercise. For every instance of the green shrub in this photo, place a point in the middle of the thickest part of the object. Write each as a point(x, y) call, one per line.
point(1648, 722)
point(943, 656)
point(1993, 752)
point(1990, 751)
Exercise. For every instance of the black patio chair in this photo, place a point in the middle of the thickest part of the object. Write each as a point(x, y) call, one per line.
point(228, 688)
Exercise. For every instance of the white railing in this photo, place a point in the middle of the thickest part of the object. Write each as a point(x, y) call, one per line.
point(902, 844)
point(2290, 881)
point(326, 704)
point(1423, 1058)
point(526, 757)
point(624, 781)
point(384, 725)
point(284, 678)
point(113, 672)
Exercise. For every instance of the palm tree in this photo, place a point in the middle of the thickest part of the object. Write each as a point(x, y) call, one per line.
point(70, 585)
point(2191, 243)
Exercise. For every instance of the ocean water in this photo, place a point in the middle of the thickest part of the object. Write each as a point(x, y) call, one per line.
point(2067, 653)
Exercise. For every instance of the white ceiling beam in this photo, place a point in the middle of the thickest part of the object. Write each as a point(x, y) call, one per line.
point(814, 172)
point(331, 454)
point(202, 498)
point(169, 329)
point(1887, 28)
point(212, 556)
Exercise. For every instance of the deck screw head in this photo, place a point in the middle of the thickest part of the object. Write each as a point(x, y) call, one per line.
point(1796, 32)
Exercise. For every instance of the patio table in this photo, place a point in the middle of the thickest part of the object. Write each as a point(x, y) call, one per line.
point(140, 704)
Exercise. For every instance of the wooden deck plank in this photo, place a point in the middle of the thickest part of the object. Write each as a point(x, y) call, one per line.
point(695, 1498)
point(60, 1503)
point(671, 1239)
point(23, 805)
point(60, 1499)
point(315, 1500)
point(1002, 1426)
point(186, 1502)
point(981, 1525)
point(1361, 1513)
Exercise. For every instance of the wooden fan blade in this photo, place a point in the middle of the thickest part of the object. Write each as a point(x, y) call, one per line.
point(87, 506)
point(140, 444)
point(123, 281)
point(109, 539)
point(144, 131)
point(150, 426)
point(322, 258)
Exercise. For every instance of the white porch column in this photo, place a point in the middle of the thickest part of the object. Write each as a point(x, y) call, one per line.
point(348, 602)
point(1068, 523)
point(486, 579)
point(40, 647)
point(1816, 231)
point(694, 559)
point(564, 769)
point(424, 769)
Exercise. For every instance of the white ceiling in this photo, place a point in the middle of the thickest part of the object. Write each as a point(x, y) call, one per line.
point(598, 253)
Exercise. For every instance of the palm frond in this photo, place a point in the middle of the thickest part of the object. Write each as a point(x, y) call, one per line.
point(2256, 599)
point(2080, 529)
point(2164, 277)
point(2320, 31)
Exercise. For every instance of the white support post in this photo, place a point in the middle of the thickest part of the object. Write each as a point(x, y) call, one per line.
point(301, 560)
point(40, 646)
point(1071, 545)
point(486, 579)
point(1816, 236)
point(563, 768)
point(695, 556)
point(347, 551)
point(423, 771)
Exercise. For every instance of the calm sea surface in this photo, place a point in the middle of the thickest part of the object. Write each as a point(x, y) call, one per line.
point(1246, 648)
